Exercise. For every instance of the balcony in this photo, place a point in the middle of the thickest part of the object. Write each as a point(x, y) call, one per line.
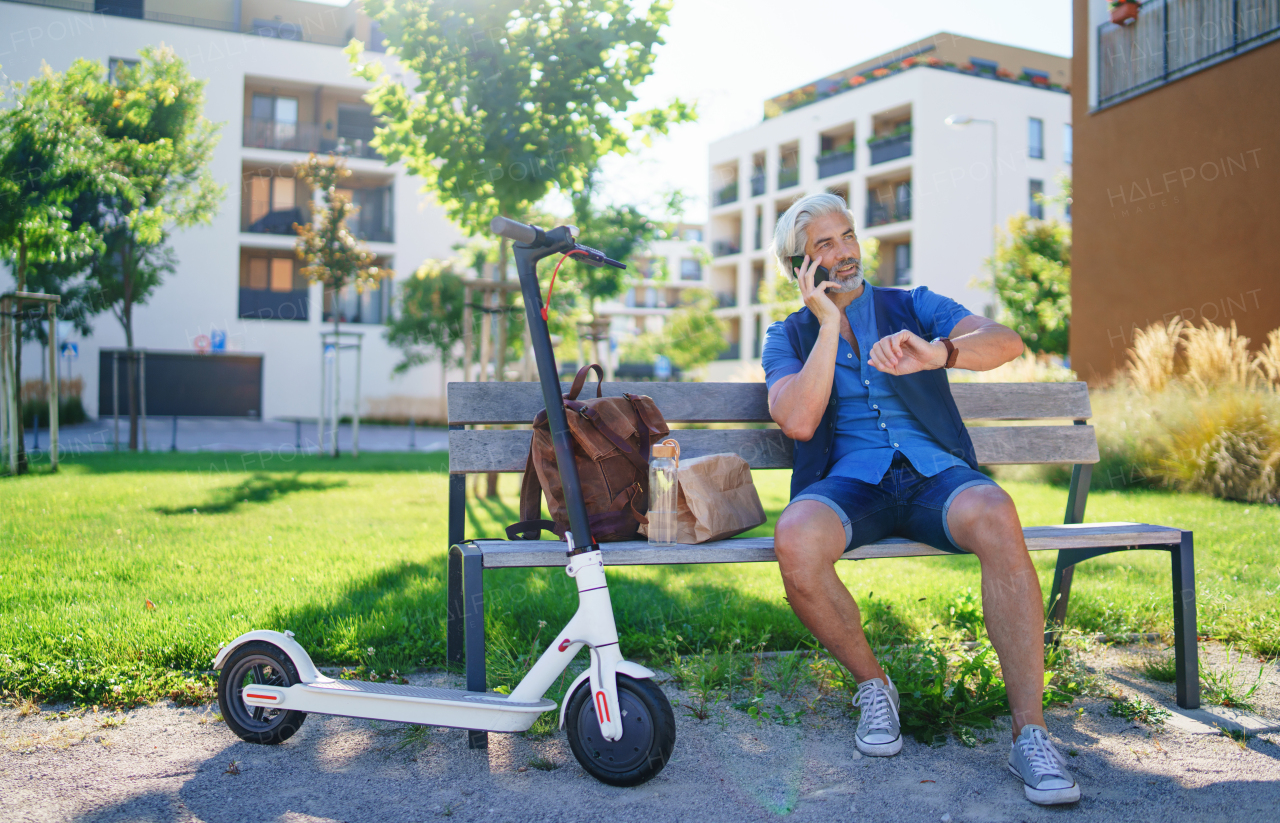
point(726, 300)
point(833, 163)
point(788, 176)
point(721, 248)
point(894, 211)
point(757, 184)
point(884, 149)
point(265, 304)
point(1172, 40)
point(728, 194)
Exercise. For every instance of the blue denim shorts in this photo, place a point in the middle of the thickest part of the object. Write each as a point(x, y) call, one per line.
point(904, 504)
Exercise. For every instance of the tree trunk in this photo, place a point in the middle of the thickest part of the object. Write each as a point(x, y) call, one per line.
point(131, 363)
point(500, 301)
point(21, 280)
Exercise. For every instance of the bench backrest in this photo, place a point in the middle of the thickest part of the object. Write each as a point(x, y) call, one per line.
point(769, 448)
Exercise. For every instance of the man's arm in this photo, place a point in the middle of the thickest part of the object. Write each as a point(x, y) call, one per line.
point(981, 345)
point(798, 401)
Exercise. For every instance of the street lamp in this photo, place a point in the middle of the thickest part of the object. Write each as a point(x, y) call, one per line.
point(960, 121)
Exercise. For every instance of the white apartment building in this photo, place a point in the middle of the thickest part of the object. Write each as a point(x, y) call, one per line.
point(876, 134)
point(667, 268)
point(282, 88)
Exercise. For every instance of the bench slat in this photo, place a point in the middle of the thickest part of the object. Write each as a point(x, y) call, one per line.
point(498, 403)
point(506, 451)
point(499, 554)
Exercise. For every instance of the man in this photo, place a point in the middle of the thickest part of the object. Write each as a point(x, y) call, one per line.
point(856, 378)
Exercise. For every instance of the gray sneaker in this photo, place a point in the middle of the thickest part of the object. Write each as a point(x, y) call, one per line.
point(1045, 777)
point(879, 733)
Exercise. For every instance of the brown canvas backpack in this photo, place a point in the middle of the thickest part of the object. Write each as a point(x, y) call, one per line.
point(611, 439)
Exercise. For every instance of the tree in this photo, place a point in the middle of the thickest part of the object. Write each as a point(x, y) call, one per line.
point(513, 97)
point(159, 143)
point(1032, 277)
point(429, 323)
point(331, 254)
point(621, 232)
point(691, 337)
point(50, 158)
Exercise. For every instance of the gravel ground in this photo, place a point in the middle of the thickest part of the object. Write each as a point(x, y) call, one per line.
point(163, 763)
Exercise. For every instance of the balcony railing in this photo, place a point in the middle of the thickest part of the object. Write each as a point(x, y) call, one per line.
point(726, 299)
point(788, 176)
point(837, 162)
point(720, 248)
point(1174, 38)
point(303, 137)
point(731, 353)
point(891, 148)
point(757, 184)
point(272, 134)
point(263, 304)
point(878, 214)
point(728, 194)
point(277, 222)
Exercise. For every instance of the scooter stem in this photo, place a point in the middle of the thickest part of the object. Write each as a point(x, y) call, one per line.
point(559, 240)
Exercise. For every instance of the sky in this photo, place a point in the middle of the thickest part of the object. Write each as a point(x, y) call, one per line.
point(731, 55)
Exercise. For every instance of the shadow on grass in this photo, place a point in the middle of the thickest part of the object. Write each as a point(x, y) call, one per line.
point(278, 460)
point(261, 487)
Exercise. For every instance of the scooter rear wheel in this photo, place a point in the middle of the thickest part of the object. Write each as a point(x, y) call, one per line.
point(263, 664)
point(648, 733)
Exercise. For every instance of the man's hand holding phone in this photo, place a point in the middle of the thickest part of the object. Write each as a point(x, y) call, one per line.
point(815, 296)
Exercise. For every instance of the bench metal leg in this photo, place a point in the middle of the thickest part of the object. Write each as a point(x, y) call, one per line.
point(473, 617)
point(1186, 653)
point(455, 633)
point(1059, 594)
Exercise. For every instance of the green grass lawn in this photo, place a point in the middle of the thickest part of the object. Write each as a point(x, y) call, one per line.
point(351, 557)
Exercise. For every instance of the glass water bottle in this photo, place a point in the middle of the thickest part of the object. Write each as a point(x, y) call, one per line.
point(663, 462)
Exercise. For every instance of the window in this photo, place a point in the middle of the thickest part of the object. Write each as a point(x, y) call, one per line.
point(272, 288)
point(1035, 204)
point(902, 199)
point(902, 265)
point(690, 270)
point(115, 65)
point(693, 235)
point(368, 306)
point(283, 111)
point(273, 205)
point(1035, 138)
point(377, 40)
point(1066, 143)
point(987, 66)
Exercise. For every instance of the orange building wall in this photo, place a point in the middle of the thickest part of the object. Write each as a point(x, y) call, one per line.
point(1176, 205)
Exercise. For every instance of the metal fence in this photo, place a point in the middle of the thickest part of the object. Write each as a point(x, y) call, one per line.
point(1174, 38)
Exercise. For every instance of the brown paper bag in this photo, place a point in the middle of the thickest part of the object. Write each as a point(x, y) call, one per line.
point(716, 499)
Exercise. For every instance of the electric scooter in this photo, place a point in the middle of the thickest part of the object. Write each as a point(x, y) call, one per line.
point(620, 725)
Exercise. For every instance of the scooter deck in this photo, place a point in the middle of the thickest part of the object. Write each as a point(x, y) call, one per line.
point(425, 705)
point(431, 693)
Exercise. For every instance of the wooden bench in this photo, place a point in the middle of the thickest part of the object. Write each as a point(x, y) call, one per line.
point(1073, 443)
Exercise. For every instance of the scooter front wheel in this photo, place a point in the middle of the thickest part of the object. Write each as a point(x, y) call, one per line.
point(257, 663)
point(648, 733)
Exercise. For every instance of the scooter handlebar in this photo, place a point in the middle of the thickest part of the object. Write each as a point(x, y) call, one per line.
point(519, 232)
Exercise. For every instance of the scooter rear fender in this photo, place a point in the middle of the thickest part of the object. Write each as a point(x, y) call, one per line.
point(307, 671)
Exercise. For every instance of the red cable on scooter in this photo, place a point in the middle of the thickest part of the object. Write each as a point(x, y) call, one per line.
point(553, 282)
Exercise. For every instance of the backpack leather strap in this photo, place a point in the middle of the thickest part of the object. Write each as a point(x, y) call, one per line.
point(530, 526)
point(580, 380)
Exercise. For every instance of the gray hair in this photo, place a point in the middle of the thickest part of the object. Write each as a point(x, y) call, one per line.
point(792, 232)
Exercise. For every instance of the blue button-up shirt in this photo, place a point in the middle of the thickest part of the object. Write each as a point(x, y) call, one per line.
point(872, 423)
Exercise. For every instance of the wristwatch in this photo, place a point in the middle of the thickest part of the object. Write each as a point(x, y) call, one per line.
point(952, 352)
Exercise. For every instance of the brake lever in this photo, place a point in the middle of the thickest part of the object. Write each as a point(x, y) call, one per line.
point(595, 258)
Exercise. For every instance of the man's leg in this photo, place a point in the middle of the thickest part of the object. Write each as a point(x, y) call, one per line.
point(983, 520)
point(808, 540)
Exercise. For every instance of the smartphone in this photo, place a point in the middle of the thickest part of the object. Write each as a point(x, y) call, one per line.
point(821, 274)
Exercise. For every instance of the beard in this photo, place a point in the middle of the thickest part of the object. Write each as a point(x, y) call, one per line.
point(850, 279)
